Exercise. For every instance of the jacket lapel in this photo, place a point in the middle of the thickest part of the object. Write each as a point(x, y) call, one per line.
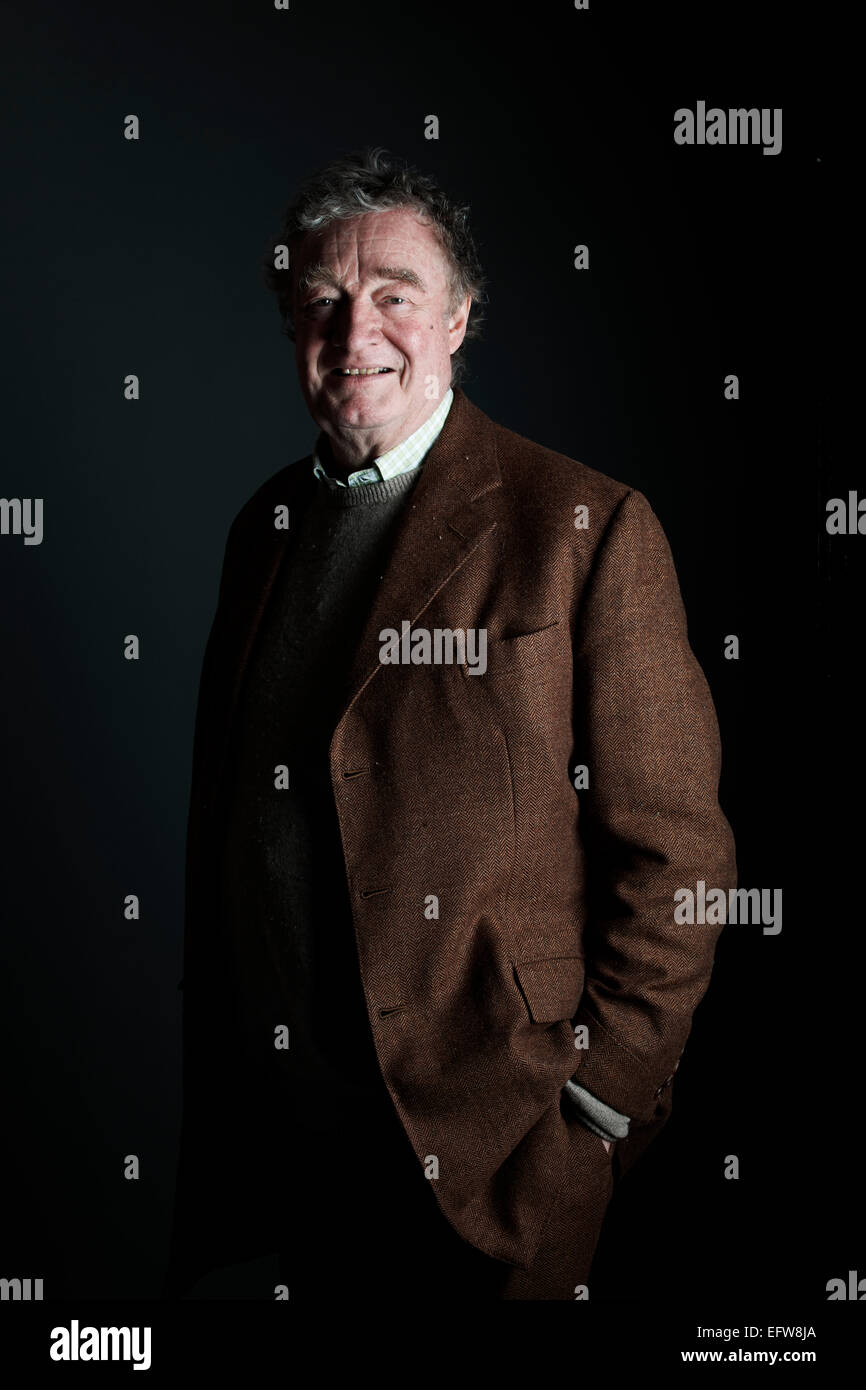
point(448, 514)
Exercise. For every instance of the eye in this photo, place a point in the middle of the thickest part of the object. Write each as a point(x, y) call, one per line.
point(397, 296)
point(324, 300)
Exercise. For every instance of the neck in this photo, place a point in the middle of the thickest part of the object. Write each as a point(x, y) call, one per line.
point(348, 453)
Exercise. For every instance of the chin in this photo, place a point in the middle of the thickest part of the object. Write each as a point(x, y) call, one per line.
point(359, 418)
point(346, 408)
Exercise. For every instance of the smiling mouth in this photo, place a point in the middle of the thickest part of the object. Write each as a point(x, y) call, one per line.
point(360, 371)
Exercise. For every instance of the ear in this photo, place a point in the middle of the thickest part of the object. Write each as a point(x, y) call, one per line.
point(457, 322)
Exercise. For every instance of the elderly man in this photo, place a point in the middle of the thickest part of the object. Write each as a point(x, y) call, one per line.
point(435, 993)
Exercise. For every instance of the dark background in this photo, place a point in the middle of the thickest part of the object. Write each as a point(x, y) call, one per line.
point(557, 128)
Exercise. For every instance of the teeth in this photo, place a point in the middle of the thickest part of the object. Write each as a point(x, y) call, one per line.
point(361, 371)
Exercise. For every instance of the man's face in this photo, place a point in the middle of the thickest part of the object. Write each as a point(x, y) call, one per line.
point(373, 292)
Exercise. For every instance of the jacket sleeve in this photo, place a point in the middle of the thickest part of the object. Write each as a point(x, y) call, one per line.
point(650, 819)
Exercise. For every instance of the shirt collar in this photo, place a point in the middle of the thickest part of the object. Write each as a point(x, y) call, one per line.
point(401, 459)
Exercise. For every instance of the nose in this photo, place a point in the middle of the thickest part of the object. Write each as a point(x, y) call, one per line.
point(356, 324)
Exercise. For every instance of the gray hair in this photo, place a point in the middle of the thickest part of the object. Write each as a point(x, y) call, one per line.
point(372, 181)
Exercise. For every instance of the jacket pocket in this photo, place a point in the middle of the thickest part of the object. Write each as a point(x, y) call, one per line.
point(520, 635)
point(551, 986)
point(516, 652)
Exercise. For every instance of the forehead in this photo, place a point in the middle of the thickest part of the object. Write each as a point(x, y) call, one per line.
point(355, 248)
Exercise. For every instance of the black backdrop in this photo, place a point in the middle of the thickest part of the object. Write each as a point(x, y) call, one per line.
point(143, 257)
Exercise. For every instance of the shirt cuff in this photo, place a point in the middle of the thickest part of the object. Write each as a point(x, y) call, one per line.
point(600, 1118)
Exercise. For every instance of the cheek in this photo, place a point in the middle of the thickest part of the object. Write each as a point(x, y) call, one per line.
point(424, 341)
point(308, 358)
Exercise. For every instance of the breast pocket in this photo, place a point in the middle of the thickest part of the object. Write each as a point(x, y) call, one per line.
point(527, 667)
point(531, 646)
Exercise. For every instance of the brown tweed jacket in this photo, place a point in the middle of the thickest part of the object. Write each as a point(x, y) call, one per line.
point(556, 906)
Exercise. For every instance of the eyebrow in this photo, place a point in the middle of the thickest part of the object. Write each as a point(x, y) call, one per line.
point(322, 274)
